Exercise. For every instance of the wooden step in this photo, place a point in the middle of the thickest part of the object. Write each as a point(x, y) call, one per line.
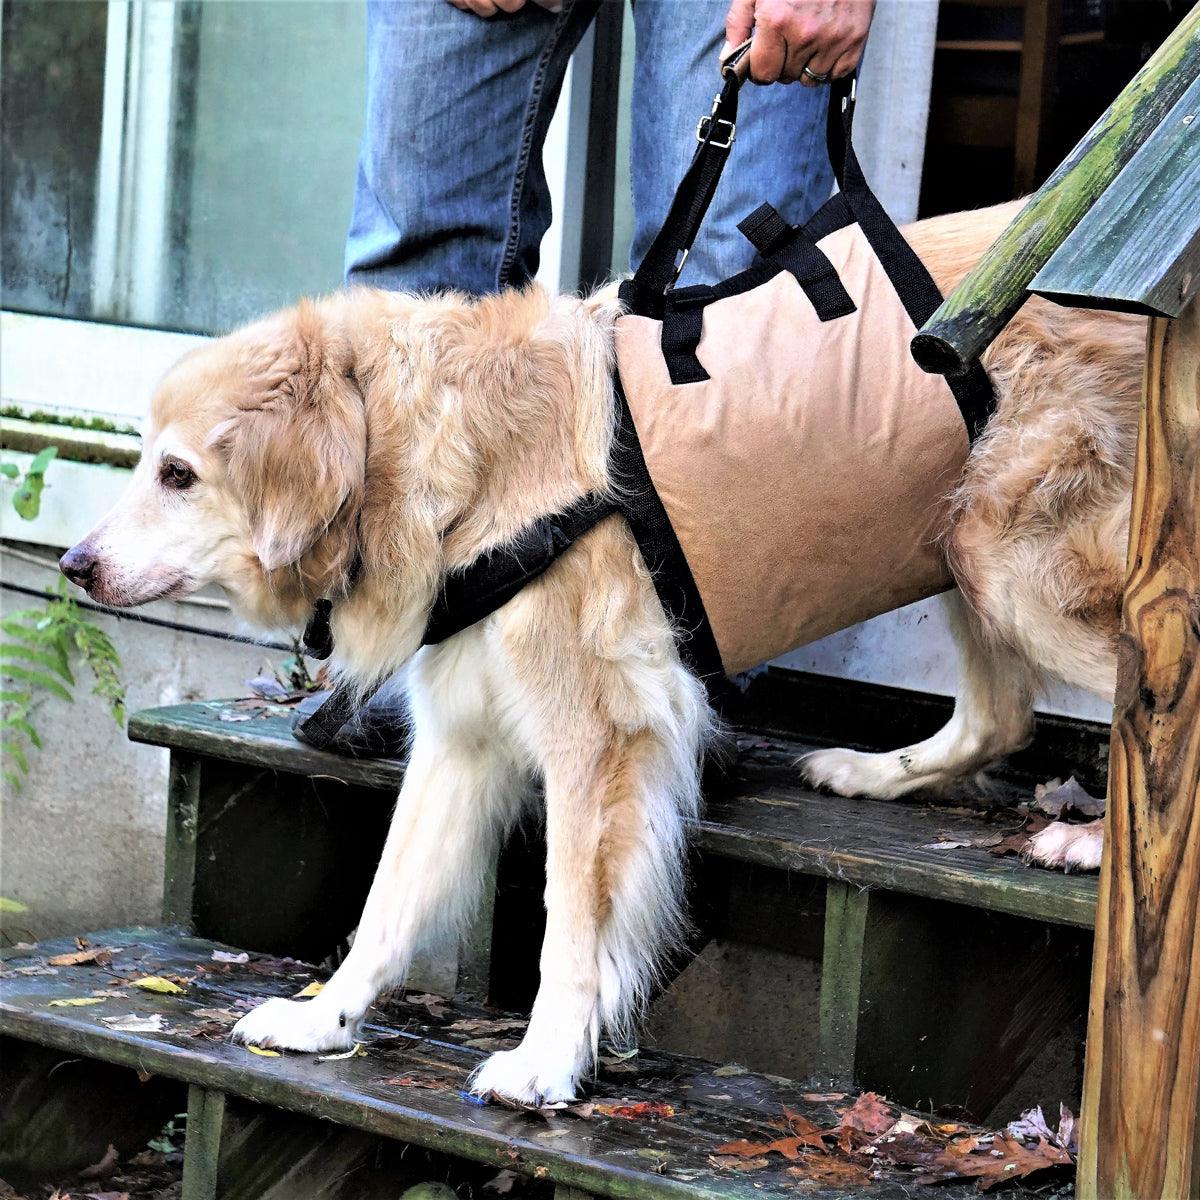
point(409, 1083)
point(760, 813)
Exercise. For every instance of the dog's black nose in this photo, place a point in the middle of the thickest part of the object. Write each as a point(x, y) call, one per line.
point(79, 565)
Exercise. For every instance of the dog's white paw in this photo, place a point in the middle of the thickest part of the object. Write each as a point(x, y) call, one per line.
point(525, 1077)
point(1067, 847)
point(297, 1025)
point(853, 773)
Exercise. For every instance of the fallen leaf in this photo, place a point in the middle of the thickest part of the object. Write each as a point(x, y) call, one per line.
point(511, 1025)
point(263, 1053)
point(104, 1168)
point(1068, 1129)
point(156, 983)
point(1015, 843)
point(729, 1069)
point(830, 1172)
point(822, 1097)
point(436, 1005)
point(946, 846)
point(132, 1023)
point(868, 1114)
point(730, 1162)
point(1067, 799)
point(433, 1085)
point(358, 1050)
point(32, 971)
point(76, 1002)
point(1007, 1159)
point(313, 989)
point(638, 1111)
point(490, 1043)
point(99, 956)
point(212, 1031)
point(215, 1014)
point(227, 956)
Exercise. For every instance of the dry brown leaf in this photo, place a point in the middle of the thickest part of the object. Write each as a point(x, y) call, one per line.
point(640, 1110)
point(1007, 1159)
point(98, 956)
point(731, 1162)
point(104, 1168)
point(1015, 843)
point(822, 1097)
point(832, 1172)
point(869, 1114)
point(482, 1026)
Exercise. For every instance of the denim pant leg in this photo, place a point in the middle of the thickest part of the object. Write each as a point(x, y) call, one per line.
point(450, 191)
point(779, 154)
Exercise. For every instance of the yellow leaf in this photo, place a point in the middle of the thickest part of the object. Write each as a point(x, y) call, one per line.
point(263, 1053)
point(77, 1002)
point(156, 983)
point(313, 989)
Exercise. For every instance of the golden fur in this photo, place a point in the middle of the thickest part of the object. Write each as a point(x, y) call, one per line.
point(423, 431)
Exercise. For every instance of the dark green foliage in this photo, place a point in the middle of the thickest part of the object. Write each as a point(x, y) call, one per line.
point(36, 654)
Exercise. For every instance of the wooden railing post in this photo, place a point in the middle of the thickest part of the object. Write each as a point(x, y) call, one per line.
point(1140, 1131)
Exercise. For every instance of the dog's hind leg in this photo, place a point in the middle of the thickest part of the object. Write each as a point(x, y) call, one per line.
point(993, 716)
point(456, 800)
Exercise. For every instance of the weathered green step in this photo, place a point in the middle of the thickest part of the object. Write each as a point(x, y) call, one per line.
point(760, 813)
point(408, 1085)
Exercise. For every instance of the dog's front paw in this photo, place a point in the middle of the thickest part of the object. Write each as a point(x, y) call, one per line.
point(853, 773)
point(1067, 847)
point(297, 1025)
point(519, 1075)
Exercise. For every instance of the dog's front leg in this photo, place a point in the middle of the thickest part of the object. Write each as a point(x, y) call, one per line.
point(455, 801)
point(615, 808)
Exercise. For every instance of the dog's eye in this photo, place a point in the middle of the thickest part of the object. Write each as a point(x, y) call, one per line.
point(176, 475)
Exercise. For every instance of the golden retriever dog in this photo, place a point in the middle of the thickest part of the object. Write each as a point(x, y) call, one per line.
point(417, 433)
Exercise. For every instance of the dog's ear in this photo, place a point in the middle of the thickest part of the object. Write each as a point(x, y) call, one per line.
point(295, 451)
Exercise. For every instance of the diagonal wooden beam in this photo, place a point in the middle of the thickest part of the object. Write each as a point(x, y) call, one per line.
point(1142, 1077)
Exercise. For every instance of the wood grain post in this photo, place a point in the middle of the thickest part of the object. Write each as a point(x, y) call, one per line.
point(846, 909)
point(183, 817)
point(1140, 1136)
point(202, 1145)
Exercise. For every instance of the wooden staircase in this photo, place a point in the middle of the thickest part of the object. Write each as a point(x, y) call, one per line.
point(945, 972)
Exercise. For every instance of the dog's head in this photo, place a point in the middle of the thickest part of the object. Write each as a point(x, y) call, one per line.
point(252, 462)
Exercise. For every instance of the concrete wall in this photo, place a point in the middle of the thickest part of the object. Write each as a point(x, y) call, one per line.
point(81, 842)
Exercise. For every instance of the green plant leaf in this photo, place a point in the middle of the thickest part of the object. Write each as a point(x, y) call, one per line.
point(12, 906)
point(37, 679)
point(42, 460)
point(14, 781)
point(56, 662)
point(14, 751)
point(10, 470)
point(27, 499)
point(23, 726)
point(7, 697)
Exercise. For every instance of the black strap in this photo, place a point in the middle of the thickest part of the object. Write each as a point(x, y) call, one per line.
point(467, 596)
point(796, 252)
point(682, 325)
point(652, 530)
point(492, 580)
point(909, 276)
point(644, 292)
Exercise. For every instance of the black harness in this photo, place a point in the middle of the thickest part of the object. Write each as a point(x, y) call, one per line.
point(470, 594)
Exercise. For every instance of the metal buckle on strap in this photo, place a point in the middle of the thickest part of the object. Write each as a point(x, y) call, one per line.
point(706, 133)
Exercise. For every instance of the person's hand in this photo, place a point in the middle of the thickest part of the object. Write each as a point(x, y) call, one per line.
point(489, 8)
point(826, 36)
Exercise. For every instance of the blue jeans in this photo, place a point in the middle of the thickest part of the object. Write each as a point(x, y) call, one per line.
point(451, 192)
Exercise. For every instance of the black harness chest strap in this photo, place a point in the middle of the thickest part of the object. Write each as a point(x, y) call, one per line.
point(466, 597)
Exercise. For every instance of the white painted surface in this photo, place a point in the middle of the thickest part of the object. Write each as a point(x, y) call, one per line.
point(893, 102)
point(82, 368)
